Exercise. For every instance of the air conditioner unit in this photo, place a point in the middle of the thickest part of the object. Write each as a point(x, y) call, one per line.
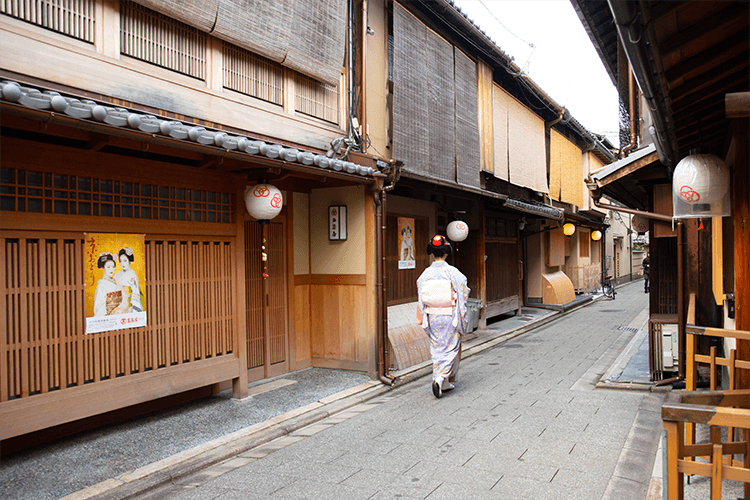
point(669, 347)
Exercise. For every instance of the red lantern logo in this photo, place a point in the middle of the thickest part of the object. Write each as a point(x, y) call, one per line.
point(261, 191)
point(690, 195)
point(276, 200)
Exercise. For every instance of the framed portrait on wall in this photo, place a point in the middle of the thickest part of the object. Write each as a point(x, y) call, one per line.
point(406, 258)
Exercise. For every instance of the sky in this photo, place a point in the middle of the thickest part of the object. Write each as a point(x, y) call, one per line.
point(563, 62)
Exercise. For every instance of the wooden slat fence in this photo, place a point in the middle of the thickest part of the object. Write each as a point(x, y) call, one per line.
point(189, 288)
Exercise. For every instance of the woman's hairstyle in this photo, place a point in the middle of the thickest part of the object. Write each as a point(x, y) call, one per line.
point(439, 246)
point(103, 258)
point(128, 252)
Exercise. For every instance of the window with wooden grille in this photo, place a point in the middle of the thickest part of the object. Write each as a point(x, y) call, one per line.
point(189, 290)
point(72, 18)
point(42, 192)
point(253, 75)
point(316, 98)
point(159, 40)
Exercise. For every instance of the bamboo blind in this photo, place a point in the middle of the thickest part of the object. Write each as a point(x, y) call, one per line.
point(468, 149)
point(566, 170)
point(159, 40)
point(316, 98)
point(259, 26)
point(74, 18)
point(484, 97)
point(44, 192)
point(200, 14)
point(424, 109)
point(318, 39)
point(520, 147)
point(189, 288)
point(410, 123)
point(253, 75)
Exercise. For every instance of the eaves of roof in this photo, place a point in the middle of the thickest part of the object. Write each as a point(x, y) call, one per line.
point(89, 114)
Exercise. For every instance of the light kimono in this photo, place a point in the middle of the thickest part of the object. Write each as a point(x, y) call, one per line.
point(131, 291)
point(442, 313)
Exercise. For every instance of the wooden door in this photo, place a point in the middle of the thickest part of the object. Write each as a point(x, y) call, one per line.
point(266, 308)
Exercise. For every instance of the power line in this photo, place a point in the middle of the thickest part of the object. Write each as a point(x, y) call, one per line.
point(506, 28)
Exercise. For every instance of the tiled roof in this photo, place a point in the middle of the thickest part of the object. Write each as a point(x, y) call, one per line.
point(88, 110)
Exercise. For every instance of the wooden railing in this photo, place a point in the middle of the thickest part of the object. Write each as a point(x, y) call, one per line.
point(681, 411)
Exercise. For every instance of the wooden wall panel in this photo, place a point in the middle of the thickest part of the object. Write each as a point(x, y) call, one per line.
point(302, 339)
point(188, 290)
point(338, 323)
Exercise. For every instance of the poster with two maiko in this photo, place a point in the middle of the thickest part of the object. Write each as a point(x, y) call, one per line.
point(114, 274)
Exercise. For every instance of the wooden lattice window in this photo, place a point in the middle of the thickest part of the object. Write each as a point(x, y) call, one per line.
point(316, 98)
point(42, 192)
point(157, 39)
point(189, 299)
point(72, 18)
point(253, 75)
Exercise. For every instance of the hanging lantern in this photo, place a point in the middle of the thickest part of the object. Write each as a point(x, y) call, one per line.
point(640, 224)
point(457, 230)
point(569, 229)
point(700, 187)
point(596, 235)
point(263, 201)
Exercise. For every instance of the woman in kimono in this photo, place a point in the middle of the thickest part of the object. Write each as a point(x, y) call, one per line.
point(128, 280)
point(108, 294)
point(442, 313)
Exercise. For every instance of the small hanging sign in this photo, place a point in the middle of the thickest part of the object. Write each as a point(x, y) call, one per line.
point(337, 230)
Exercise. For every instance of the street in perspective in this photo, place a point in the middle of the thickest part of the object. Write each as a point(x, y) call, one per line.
point(524, 421)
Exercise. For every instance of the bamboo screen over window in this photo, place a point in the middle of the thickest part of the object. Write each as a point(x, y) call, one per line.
point(315, 98)
point(159, 40)
point(73, 18)
point(189, 300)
point(566, 170)
point(435, 121)
point(520, 149)
point(253, 75)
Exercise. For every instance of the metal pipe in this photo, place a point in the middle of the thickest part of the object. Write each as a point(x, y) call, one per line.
point(631, 94)
point(363, 118)
point(377, 193)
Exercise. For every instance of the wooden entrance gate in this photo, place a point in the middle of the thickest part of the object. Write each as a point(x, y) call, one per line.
point(266, 306)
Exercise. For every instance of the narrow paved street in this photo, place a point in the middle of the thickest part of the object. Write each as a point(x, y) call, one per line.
point(524, 421)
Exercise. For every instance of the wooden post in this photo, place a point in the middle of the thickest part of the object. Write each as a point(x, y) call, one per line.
point(675, 479)
point(741, 219)
point(716, 465)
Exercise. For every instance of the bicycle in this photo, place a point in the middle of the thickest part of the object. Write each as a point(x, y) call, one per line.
point(608, 288)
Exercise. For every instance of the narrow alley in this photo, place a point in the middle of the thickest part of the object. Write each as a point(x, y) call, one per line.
point(524, 421)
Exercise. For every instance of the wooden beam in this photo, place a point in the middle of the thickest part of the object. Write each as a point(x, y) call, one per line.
point(741, 219)
point(737, 105)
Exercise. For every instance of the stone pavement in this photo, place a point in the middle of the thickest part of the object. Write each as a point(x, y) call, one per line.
point(524, 422)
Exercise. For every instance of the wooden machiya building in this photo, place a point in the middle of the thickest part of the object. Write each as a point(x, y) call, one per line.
point(154, 122)
point(475, 147)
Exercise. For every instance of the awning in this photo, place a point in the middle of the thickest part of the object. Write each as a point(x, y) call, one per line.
point(540, 210)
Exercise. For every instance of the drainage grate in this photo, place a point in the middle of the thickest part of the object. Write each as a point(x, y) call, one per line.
point(628, 328)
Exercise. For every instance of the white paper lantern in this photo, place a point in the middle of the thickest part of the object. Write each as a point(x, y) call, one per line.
point(640, 224)
point(458, 230)
point(263, 201)
point(700, 187)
